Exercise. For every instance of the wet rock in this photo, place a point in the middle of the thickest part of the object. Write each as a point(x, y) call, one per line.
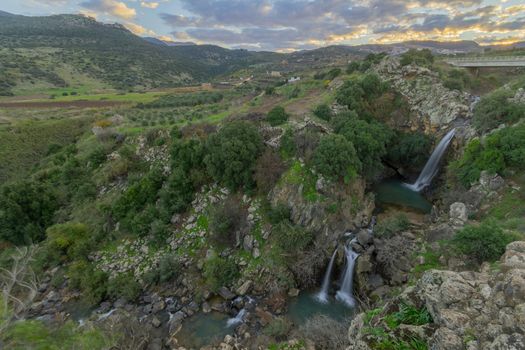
point(294, 292)
point(364, 237)
point(206, 308)
point(155, 322)
point(244, 288)
point(226, 294)
point(248, 243)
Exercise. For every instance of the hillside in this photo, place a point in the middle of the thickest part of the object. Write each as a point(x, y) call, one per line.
point(40, 52)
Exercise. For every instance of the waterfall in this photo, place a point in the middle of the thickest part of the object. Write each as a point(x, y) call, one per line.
point(106, 315)
point(345, 293)
point(431, 168)
point(322, 296)
point(237, 319)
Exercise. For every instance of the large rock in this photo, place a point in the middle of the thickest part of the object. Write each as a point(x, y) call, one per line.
point(487, 307)
point(458, 214)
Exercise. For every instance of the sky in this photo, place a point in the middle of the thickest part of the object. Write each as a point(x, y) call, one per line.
point(288, 25)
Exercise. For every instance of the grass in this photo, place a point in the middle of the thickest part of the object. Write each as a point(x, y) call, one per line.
point(300, 174)
point(23, 144)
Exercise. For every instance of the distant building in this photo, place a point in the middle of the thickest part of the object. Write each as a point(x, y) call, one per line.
point(275, 74)
point(206, 86)
point(293, 80)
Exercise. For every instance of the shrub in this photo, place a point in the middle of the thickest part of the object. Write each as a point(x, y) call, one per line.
point(232, 154)
point(325, 332)
point(453, 84)
point(278, 328)
point(287, 146)
point(495, 109)
point(93, 283)
point(306, 143)
point(124, 286)
point(389, 227)
point(292, 238)
point(419, 57)
point(176, 194)
point(220, 272)
point(70, 240)
point(409, 149)
point(370, 140)
point(277, 116)
point(323, 111)
point(226, 222)
point(268, 170)
point(485, 242)
point(501, 151)
point(26, 210)
point(278, 213)
point(353, 67)
point(336, 158)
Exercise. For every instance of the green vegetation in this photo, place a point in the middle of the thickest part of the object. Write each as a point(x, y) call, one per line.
point(232, 154)
point(277, 116)
point(220, 272)
point(485, 242)
point(336, 158)
point(422, 58)
point(495, 109)
point(324, 112)
point(498, 153)
point(409, 150)
point(184, 100)
point(391, 226)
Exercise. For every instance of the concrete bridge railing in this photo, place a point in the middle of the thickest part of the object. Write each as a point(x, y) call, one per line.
point(488, 61)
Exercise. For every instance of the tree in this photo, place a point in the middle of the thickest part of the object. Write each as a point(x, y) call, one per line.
point(277, 116)
point(336, 158)
point(323, 111)
point(495, 109)
point(232, 154)
point(370, 140)
point(419, 57)
point(26, 210)
point(409, 149)
point(268, 170)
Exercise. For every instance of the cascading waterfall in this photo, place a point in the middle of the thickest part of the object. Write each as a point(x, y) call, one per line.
point(431, 168)
point(237, 319)
point(322, 296)
point(346, 294)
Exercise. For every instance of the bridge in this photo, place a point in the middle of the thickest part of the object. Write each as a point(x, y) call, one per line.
point(488, 61)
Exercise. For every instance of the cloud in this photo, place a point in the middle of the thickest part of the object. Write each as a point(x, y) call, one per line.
point(110, 8)
point(149, 5)
point(295, 24)
point(137, 29)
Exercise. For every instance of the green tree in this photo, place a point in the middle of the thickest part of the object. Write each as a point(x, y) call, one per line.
point(232, 154)
point(495, 109)
point(26, 210)
point(485, 242)
point(419, 57)
point(336, 158)
point(277, 116)
point(370, 140)
point(409, 149)
point(323, 111)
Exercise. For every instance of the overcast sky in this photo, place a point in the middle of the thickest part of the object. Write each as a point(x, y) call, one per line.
point(286, 25)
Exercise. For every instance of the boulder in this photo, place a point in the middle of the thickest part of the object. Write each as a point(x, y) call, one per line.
point(458, 214)
point(226, 294)
point(244, 288)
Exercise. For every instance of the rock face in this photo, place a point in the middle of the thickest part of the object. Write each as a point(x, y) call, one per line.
point(470, 310)
point(434, 105)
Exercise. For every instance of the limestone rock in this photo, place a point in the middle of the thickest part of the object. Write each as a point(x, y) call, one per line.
point(458, 214)
point(244, 288)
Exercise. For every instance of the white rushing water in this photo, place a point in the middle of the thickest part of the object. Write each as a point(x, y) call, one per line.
point(106, 315)
point(431, 168)
point(346, 294)
point(322, 296)
point(237, 319)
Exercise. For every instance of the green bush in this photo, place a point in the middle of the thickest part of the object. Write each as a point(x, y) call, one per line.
point(278, 328)
point(225, 222)
point(70, 240)
point(26, 210)
point(220, 272)
point(169, 268)
point(409, 150)
point(370, 140)
point(323, 111)
point(278, 213)
point(277, 116)
point(291, 238)
point(92, 283)
point(124, 286)
point(485, 242)
point(389, 227)
point(232, 154)
point(500, 152)
point(336, 158)
point(360, 94)
point(288, 147)
point(495, 109)
point(453, 84)
point(354, 66)
point(419, 57)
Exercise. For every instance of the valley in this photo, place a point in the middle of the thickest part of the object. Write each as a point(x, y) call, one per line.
point(195, 197)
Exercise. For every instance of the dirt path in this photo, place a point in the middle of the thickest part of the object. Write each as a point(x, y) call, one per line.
point(61, 104)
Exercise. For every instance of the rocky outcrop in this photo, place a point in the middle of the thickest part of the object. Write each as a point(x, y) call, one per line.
point(470, 310)
point(434, 105)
